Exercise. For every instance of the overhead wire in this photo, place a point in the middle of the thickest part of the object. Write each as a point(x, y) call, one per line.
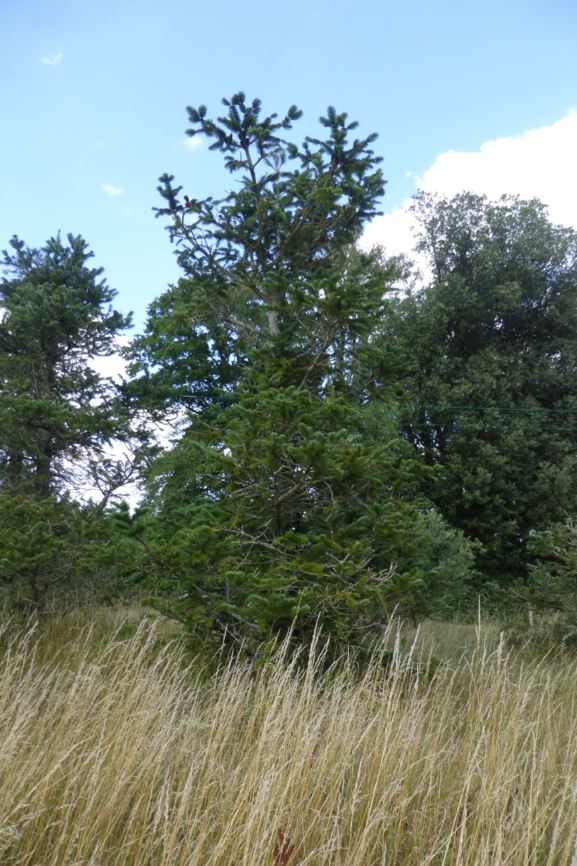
point(456, 423)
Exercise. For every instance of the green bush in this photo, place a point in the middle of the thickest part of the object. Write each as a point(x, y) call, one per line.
point(550, 594)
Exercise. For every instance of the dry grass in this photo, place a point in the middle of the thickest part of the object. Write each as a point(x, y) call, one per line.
point(117, 753)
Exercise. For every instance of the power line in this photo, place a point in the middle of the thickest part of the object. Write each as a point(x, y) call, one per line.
point(518, 409)
point(456, 423)
point(541, 429)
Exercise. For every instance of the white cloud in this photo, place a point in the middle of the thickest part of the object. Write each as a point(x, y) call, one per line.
point(393, 231)
point(111, 366)
point(193, 143)
point(112, 190)
point(54, 60)
point(539, 163)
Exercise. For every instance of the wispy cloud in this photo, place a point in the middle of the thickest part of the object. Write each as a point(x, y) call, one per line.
point(55, 60)
point(112, 190)
point(193, 143)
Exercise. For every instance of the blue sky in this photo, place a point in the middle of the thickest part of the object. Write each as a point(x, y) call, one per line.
point(93, 99)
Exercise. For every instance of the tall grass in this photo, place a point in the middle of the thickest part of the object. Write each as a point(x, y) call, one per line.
point(118, 753)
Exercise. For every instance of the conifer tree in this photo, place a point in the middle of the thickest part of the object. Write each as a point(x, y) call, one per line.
point(56, 411)
point(56, 317)
point(290, 495)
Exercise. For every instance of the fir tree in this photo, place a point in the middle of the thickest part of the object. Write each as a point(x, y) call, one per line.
point(56, 411)
point(56, 317)
point(290, 495)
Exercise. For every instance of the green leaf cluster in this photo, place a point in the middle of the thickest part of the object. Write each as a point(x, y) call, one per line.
point(491, 399)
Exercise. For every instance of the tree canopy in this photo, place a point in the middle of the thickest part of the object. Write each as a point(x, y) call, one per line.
point(291, 495)
point(343, 445)
point(56, 317)
point(58, 413)
point(492, 398)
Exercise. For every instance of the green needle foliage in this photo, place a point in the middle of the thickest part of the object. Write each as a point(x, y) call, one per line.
point(56, 411)
point(249, 257)
point(290, 497)
point(57, 316)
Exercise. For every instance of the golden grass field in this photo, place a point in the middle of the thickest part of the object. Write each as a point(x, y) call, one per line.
point(120, 751)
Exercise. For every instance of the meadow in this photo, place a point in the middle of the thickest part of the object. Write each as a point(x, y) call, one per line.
point(118, 748)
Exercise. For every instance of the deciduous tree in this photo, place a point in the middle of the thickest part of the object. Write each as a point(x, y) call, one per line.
point(492, 398)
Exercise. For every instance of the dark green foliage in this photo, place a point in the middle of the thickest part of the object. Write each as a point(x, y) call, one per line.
point(492, 398)
point(56, 317)
point(57, 415)
point(291, 507)
point(549, 596)
point(247, 257)
point(448, 565)
point(51, 552)
point(290, 497)
point(295, 205)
